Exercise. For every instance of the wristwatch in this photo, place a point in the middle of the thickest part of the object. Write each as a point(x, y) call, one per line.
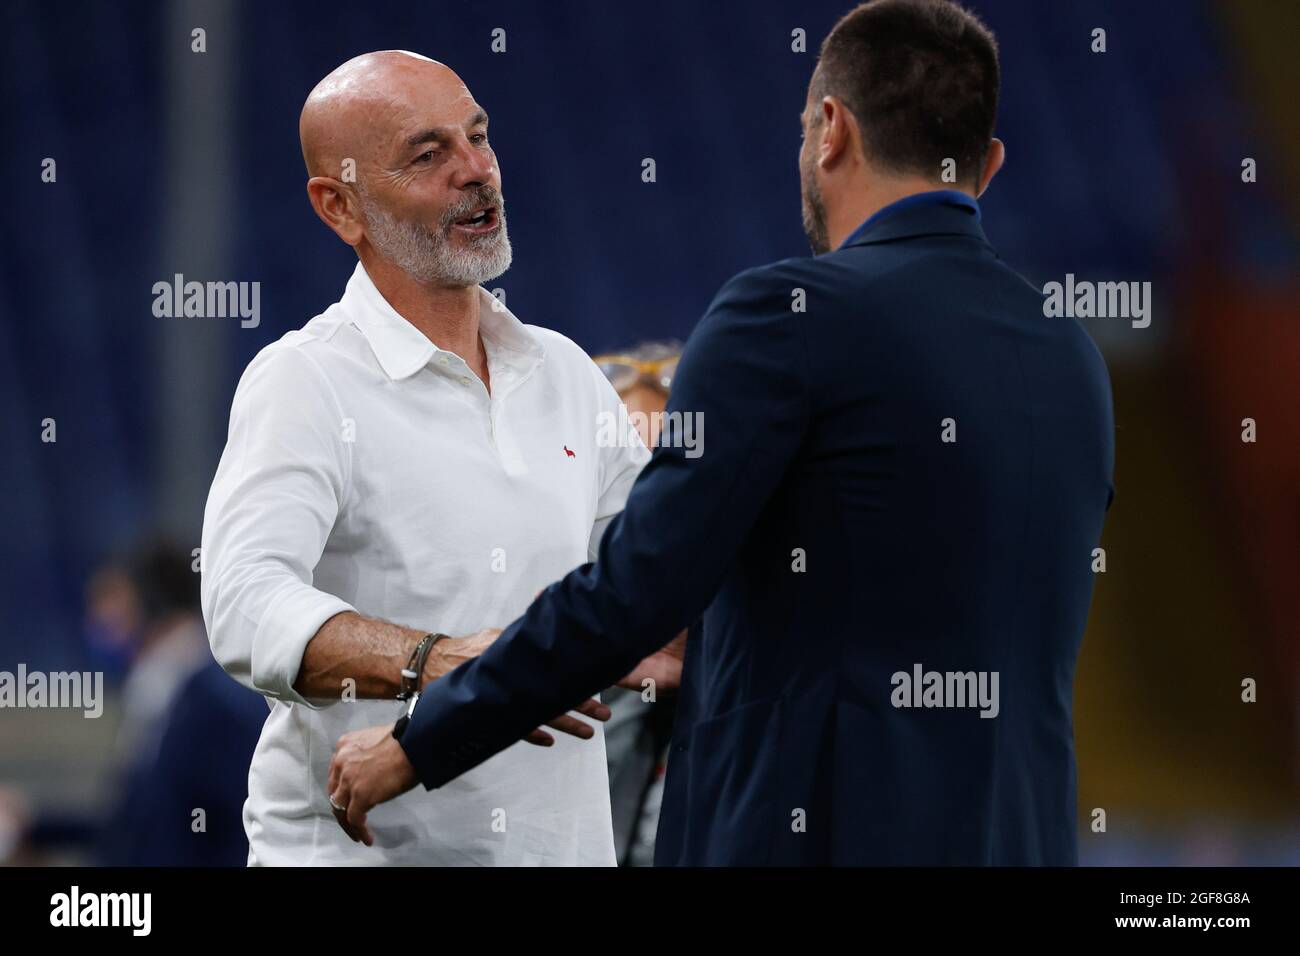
point(399, 728)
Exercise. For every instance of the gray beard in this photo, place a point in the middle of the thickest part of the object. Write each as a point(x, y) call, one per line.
point(430, 257)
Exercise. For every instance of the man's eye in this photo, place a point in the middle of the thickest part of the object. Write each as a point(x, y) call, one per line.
point(478, 138)
point(425, 157)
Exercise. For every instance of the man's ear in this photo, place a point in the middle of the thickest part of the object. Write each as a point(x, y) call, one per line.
point(337, 207)
point(997, 155)
point(835, 133)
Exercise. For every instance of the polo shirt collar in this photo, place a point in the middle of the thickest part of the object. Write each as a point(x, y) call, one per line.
point(402, 349)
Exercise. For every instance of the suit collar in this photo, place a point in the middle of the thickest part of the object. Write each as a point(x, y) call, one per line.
point(926, 214)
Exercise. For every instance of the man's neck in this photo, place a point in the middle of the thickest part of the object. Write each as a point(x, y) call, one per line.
point(447, 317)
point(868, 199)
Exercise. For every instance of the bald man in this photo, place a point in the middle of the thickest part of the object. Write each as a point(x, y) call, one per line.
point(412, 463)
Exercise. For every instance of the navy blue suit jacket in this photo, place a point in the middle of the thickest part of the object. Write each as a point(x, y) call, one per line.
point(911, 470)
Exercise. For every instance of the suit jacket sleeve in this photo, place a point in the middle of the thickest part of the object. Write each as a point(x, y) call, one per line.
point(736, 419)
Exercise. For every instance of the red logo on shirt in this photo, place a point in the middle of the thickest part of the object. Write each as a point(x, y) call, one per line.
point(569, 453)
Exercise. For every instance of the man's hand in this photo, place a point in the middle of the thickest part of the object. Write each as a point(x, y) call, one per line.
point(571, 725)
point(664, 667)
point(369, 767)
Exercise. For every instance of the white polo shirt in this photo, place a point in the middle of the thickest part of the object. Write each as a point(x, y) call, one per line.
point(365, 469)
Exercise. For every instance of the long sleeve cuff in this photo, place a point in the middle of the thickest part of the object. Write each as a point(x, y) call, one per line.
point(282, 637)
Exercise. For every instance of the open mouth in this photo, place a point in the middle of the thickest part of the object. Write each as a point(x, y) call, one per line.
point(481, 221)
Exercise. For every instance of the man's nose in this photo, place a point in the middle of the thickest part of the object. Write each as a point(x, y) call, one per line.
point(476, 166)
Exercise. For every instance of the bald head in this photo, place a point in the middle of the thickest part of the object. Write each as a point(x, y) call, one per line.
point(400, 168)
point(362, 104)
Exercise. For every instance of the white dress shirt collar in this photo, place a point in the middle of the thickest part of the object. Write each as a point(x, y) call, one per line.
point(402, 349)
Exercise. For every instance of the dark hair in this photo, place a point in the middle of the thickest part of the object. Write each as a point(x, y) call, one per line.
point(163, 576)
point(920, 77)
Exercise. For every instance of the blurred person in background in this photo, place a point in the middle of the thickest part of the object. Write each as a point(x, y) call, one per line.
point(185, 737)
point(638, 732)
point(169, 644)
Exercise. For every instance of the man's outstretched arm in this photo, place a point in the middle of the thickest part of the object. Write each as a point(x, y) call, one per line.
point(737, 416)
point(741, 387)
